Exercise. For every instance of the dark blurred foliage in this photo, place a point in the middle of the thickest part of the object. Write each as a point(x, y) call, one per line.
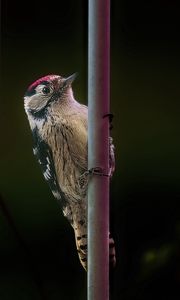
point(38, 259)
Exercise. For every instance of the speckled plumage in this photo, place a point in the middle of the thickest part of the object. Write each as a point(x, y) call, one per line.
point(59, 126)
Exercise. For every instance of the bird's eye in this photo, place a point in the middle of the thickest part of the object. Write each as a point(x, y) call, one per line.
point(46, 90)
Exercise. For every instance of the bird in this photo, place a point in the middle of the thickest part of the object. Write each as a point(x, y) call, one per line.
point(59, 128)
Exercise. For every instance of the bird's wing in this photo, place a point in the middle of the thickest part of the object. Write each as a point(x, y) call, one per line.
point(44, 155)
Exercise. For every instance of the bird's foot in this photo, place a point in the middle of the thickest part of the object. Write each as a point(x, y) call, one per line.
point(110, 116)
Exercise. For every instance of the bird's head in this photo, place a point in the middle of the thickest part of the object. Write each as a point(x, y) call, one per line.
point(46, 92)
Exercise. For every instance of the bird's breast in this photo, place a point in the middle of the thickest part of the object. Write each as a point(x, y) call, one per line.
point(68, 143)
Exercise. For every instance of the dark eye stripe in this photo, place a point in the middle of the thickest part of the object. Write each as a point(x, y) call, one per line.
point(43, 80)
point(32, 89)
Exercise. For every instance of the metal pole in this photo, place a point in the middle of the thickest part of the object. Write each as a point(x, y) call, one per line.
point(98, 148)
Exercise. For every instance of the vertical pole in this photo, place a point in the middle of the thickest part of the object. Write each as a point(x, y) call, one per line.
point(98, 148)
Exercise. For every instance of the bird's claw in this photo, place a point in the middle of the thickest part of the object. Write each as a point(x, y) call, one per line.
point(110, 116)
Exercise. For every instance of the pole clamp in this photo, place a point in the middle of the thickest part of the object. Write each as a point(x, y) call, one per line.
point(97, 171)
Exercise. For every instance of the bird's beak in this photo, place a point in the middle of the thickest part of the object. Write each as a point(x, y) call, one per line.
point(69, 80)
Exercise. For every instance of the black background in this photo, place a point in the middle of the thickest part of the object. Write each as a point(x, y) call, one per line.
point(37, 249)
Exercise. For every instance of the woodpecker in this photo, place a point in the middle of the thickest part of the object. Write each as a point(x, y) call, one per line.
point(59, 128)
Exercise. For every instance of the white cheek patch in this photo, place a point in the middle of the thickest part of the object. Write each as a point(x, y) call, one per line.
point(35, 102)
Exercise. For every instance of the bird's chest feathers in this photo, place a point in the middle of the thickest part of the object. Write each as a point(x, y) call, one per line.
point(68, 141)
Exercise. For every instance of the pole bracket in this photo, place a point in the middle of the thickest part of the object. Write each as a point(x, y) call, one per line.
point(96, 171)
